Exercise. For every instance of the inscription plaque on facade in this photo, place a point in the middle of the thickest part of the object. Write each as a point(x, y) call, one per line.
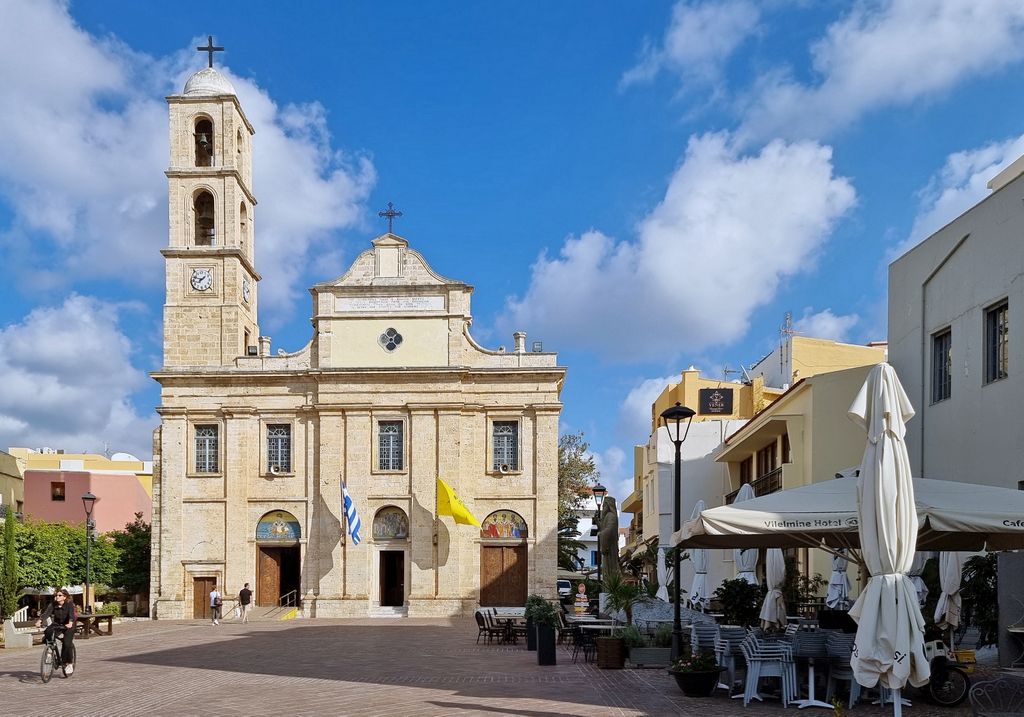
point(715, 401)
point(386, 304)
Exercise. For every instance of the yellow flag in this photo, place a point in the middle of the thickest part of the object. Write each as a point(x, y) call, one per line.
point(449, 504)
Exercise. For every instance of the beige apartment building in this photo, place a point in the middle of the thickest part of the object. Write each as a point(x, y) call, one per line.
point(390, 394)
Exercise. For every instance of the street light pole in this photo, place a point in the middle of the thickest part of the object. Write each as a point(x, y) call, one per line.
point(599, 492)
point(676, 415)
point(88, 500)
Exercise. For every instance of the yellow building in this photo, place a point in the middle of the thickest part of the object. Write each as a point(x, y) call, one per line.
point(49, 459)
point(759, 431)
point(12, 485)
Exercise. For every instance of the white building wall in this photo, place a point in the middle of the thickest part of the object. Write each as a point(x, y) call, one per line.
point(949, 280)
point(701, 479)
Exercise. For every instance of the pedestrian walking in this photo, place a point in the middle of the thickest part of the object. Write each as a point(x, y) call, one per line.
point(245, 601)
point(215, 603)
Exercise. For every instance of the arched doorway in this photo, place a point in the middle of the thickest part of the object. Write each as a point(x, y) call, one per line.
point(391, 538)
point(503, 559)
point(278, 557)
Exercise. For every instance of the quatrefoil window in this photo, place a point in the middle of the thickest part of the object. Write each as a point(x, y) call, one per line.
point(390, 340)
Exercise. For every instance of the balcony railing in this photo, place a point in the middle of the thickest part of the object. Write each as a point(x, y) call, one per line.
point(768, 483)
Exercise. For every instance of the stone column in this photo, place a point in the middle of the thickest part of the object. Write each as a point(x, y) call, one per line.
point(170, 603)
point(325, 551)
point(356, 461)
point(544, 561)
point(241, 444)
point(423, 439)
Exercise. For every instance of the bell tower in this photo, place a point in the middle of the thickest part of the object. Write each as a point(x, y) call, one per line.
point(210, 316)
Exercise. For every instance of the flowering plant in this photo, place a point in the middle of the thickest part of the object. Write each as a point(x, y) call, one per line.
point(695, 663)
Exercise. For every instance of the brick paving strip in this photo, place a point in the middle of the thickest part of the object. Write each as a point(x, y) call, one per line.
point(377, 668)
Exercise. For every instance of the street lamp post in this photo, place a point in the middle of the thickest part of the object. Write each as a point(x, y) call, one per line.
point(599, 492)
point(674, 416)
point(88, 500)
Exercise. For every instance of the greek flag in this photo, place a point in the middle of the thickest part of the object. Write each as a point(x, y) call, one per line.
point(352, 515)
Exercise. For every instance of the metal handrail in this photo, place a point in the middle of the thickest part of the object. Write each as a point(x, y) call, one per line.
point(770, 482)
point(289, 599)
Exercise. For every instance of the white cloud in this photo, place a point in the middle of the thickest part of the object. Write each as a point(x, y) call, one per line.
point(67, 378)
point(730, 228)
point(82, 160)
point(825, 324)
point(887, 52)
point(635, 411)
point(958, 186)
point(697, 42)
point(616, 474)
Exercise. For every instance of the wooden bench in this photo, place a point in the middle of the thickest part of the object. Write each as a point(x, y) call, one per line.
point(89, 623)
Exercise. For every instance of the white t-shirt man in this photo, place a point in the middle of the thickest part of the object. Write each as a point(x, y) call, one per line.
point(215, 603)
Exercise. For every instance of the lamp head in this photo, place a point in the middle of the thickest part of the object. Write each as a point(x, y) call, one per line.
point(675, 415)
point(88, 500)
point(599, 492)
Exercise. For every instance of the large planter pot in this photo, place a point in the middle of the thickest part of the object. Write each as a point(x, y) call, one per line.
point(611, 653)
point(697, 684)
point(531, 635)
point(545, 644)
point(650, 656)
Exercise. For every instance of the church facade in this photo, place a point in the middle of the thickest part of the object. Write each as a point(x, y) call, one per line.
point(391, 394)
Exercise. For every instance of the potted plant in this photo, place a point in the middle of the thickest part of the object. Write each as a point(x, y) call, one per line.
point(696, 675)
point(545, 620)
point(654, 651)
point(624, 596)
point(532, 603)
point(741, 602)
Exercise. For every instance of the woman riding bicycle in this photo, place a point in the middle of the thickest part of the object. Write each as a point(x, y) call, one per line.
point(62, 613)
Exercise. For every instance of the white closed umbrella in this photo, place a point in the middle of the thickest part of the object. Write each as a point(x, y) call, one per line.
point(838, 595)
point(662, 593)
point(746, 560)
point(947, 610)
point(916, 568)
point(773, 611)
point(890, 629)
point(699, 596)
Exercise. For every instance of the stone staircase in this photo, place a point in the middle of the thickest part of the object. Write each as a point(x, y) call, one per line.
point(385, 612)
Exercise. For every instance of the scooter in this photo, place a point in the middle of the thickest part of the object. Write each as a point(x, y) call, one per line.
point(949, 683)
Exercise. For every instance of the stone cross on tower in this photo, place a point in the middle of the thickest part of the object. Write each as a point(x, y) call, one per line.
point(390, 214)
point(210, 49)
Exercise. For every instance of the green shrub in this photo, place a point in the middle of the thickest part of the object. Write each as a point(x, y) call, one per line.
point(545, 614)
point(110, 608)
point(663, 636)
point(632, 635)
point(741, 602)
point(532, 603)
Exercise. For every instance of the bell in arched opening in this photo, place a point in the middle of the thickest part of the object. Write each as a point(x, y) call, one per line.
point(204, 143)
point(205, 227)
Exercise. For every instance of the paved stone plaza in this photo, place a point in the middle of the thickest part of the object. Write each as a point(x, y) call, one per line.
point(346, 667)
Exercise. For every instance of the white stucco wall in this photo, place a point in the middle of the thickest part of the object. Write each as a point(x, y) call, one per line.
point(949, 280)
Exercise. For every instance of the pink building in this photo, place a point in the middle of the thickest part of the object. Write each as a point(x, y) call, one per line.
point(54, 494)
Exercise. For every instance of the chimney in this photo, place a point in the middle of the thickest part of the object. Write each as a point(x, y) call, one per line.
point(520, 338)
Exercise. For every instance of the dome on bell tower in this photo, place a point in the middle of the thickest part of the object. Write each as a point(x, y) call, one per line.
point(208, 82)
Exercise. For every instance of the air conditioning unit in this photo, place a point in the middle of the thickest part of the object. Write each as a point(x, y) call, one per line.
point(252, 350)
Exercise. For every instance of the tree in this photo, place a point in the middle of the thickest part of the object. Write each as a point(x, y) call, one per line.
point(9, 568)
point(103, 556)
point(44, 554)
point(134, 544)
point(577, 473)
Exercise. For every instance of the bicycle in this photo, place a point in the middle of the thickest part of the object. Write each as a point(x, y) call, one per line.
point(51, 658)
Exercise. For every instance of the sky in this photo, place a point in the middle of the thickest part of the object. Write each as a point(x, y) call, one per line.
point(641, 186)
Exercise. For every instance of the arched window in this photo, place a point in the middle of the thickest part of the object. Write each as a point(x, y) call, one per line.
point(204, 143)
point(504, 524)
point(390, 523)
point(206, 233)
point(243, 226)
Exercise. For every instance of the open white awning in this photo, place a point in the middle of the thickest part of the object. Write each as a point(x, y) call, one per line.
point(952, 515)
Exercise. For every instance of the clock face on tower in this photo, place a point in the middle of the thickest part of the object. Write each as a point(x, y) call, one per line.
point(202, 279)
point(245, 289)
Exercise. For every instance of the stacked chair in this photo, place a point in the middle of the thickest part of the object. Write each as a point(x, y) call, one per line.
point(768, 658)
point(839, 647)
point(727, 649)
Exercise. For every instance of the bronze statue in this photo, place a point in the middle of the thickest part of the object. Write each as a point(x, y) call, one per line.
point(608, 536)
